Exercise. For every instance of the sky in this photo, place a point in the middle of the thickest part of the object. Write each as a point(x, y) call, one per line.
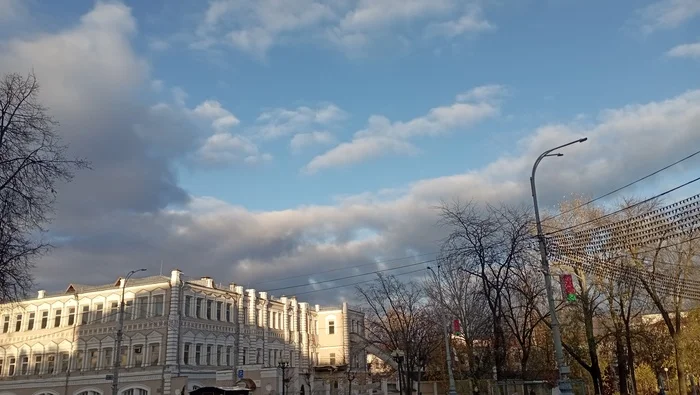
point(286, 145)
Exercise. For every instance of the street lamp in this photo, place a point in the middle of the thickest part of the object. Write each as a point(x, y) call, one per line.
point(120, 328)
point(397, 355)
point(284, 365)
point(564, 383)
point(448, 351)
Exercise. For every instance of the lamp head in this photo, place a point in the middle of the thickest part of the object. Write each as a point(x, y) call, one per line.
point(583, 140)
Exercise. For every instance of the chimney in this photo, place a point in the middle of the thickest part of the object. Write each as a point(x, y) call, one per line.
point(176, 277)
point(208, 281)
point(42, 294)
point(263, 295)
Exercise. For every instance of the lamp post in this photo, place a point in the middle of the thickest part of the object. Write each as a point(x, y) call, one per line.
point(448, 351)
point(564, 383)
point(397, 355)
point(120, 332)
point(284, 365)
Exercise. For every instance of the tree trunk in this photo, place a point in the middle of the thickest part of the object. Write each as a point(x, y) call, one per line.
point(621, 363)
point(680, 357)
point(596, 375)
point(630, 356)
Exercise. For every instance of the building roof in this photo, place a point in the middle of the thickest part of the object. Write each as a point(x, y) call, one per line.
point(133, 282)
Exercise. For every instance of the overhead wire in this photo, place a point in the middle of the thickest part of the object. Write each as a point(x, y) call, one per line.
point(623, 187)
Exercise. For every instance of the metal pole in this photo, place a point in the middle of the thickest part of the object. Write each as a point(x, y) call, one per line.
point(120, 328)
point(448, 351)
point(564, 383)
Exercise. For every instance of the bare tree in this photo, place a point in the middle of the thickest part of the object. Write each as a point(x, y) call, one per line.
point(32, 161)
point(491, 242)
point(397, 317)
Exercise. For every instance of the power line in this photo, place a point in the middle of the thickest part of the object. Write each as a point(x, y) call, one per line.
point(624, 186)
point(624, 208)
point(356, 283)
point(353, 276)
point(345, 268)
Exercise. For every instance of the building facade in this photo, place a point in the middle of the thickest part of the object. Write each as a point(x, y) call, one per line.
point(179, 334)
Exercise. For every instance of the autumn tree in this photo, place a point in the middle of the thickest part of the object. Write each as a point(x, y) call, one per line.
point(398, 317)
point(490, 242)
point(33, 161)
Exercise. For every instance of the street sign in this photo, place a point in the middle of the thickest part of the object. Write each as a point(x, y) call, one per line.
point(240, 373)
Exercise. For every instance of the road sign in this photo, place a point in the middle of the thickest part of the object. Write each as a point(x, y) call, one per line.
point(240, 373)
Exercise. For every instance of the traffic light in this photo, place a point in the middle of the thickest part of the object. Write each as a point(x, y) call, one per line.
point(456, 328)
point(567, 287)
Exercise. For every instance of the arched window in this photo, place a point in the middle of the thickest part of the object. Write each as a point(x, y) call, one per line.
point(135, 391)
point(46, 393)
point(89, 392)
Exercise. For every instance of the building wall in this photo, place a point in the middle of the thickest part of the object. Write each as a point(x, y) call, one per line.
point(177, 333)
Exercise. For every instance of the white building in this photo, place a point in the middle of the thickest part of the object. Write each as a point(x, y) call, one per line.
point(178, 335)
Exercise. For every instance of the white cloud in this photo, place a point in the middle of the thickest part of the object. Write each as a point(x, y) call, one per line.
point(157, 44)
point(221, 118)
point(668, 14)
point(157, 85)
point(255, 26)
point(226, 148)
point(281, 122)
point(382, 136)
point(484, 92)
point(12, 10)
point(471, 22)
point(685, 51)
point(304, 140)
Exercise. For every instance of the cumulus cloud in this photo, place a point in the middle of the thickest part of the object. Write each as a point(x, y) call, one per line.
point(304, 140)
point(350, 26)
point(279, 122)
point(382, 136)
point(667, 14)
point(226, 148)
point(685, 51)
point(221, 118)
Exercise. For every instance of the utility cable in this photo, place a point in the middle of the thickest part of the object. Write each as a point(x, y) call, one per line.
point(624, 208)
point(624, 186)
point(354, 276)
point(356, 283)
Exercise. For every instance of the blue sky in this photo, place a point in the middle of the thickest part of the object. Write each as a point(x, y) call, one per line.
point(288, 115)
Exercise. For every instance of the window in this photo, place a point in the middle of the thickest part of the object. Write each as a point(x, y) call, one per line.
point(269, 357)
point(331, 359)
point(85, 315)
point(44, 319)
point(37, 364)
point(258, 317)
point(154, 354)
point(98, 312)
point(2, 365)
point(219, 307)
point(5, 324)
point(50, 364)
point(107, 357)
point(198, 354)
point(229, 349)
point(273, 321)
point(135, 391)
point(113, 311)
point(229, 307)
point(25, 365)
point(198, 308)
point(11, 371)
point(128, 309)
point(331, 327)
point(93, 358)
point(79, 358)
point(258, 356)
point(209, 347)
point(88, 392)
point(18, 323)
point(65, 359)
point(246, 319)
point(188, 306)
point(209, 303)
point(142, 307)
point(291, 358)
point(219, 355)
point(71, 316)
point(138, 355)
point(57, 318)
point(245, 355)
point(186, 354)
point(158, 305)
point(30, 321)
point(124, 355)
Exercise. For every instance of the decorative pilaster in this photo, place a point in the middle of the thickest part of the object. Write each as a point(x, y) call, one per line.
point(172, 349)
